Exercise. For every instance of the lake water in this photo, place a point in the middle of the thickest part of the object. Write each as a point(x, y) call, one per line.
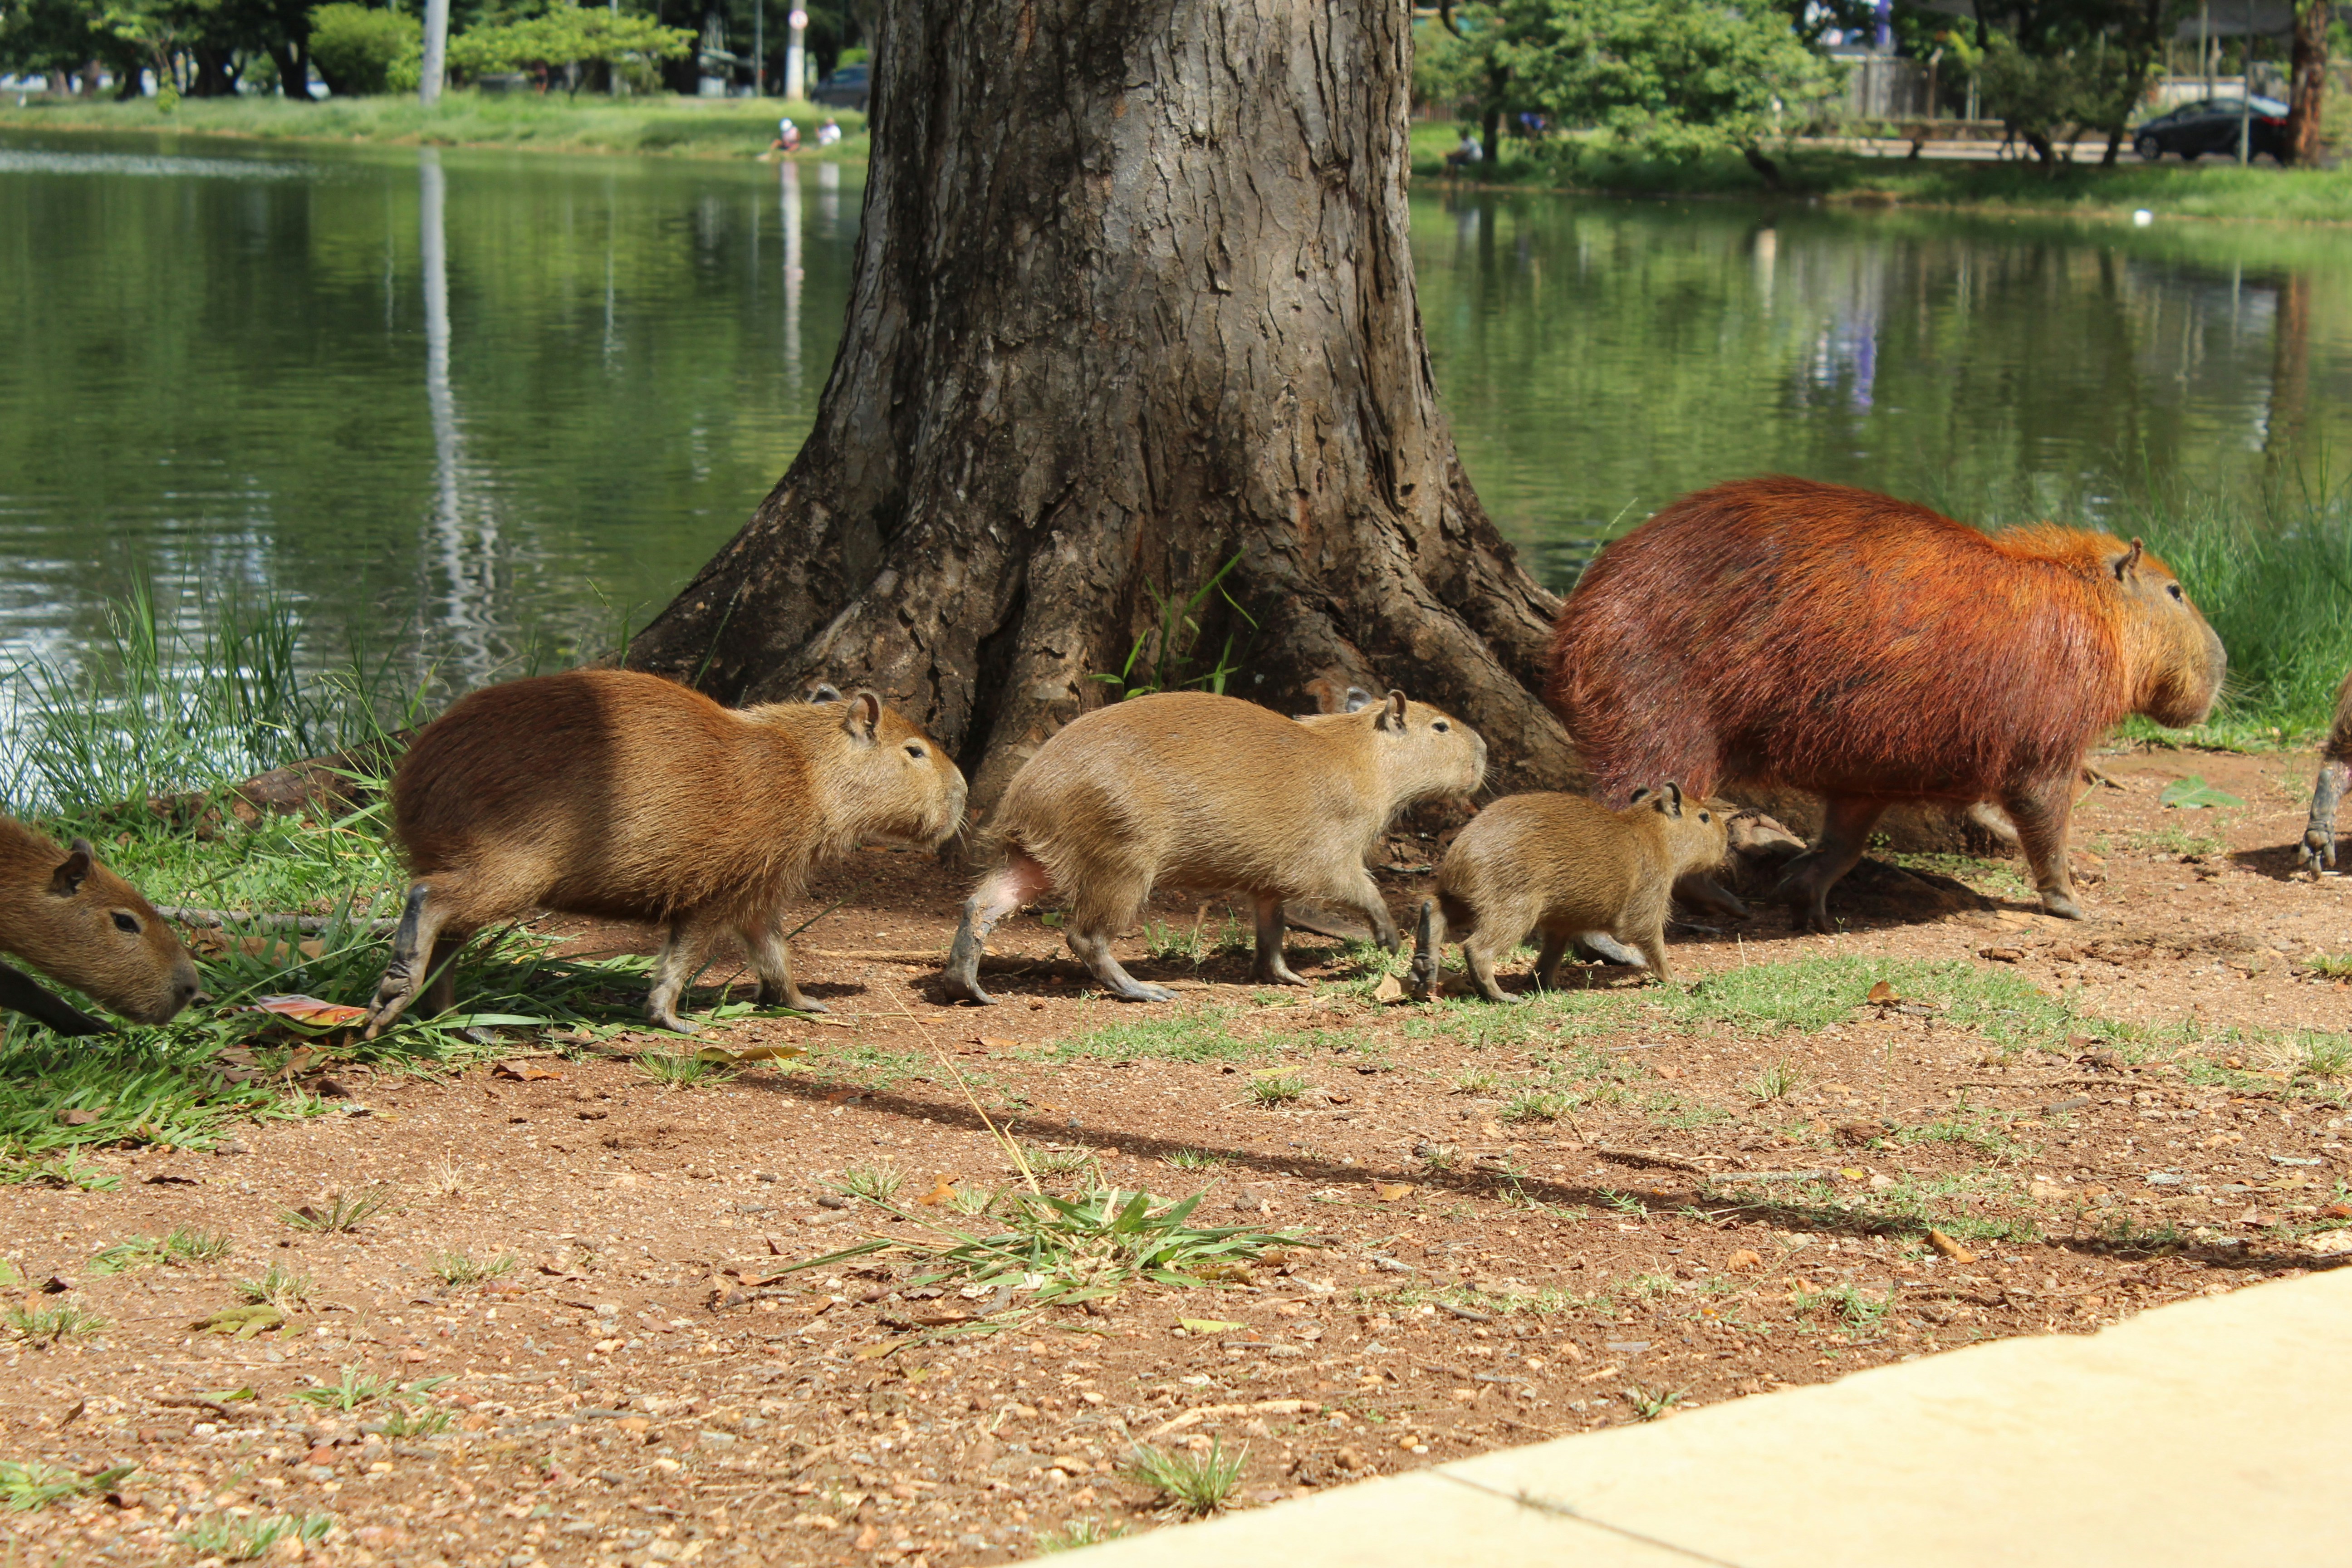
point(488, 407)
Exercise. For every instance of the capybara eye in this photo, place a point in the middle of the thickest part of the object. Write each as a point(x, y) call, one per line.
point(914, 750)
point(2174, 589)
point(1441, 726)
point(125, 922)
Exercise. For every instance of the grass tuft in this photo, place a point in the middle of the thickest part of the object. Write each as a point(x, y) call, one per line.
point(35, 1484)
point(288, 1290)
point(457, 1270)
point(49, 1325)
point(1270, 1090)
point(341, 1212)
point(1193, 1484)
point(242, 1538)
point(183, 1245)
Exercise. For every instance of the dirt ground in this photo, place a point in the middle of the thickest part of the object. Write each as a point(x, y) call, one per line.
point(1721, 1208)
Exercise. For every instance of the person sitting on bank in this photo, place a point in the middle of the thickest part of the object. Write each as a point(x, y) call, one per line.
point(1469, 151)
point(828, 133)
point(788, 138)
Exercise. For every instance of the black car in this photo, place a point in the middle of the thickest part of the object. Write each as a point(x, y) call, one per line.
point(844, 89)
point(2210, 125)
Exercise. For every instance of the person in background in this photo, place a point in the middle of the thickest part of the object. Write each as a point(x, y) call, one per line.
point(828, 133)
point(788, 138)
point(1469, 151)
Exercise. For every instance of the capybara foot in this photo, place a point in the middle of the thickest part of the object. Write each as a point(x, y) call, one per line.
point(2318, 848)
point(960, 978)
point(667, 1019)
point(960, 990)
point(1143, 990)
point(768, 996)
point(1277, 973)
point(2063, 906)
point(1598, 946)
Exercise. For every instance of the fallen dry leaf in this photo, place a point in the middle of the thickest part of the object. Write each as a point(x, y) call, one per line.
point(1392, 1192)
point(1747, 1260)
point(996, 1042)
point(1950, 1249)
point(1882, 994)
point(1388, 991)
point(310, 1012)
point(526, 1072)
point(943, 1193)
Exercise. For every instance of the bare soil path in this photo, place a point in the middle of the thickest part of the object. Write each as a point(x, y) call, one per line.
point(1515, 1222)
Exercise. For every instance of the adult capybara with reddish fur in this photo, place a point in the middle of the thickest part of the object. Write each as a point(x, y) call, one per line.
point(625, 797)
point(83, 926)
point(1778, 631)
point(2334, 772)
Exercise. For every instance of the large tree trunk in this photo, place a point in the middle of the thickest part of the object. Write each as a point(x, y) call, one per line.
point(1133, 301)
point(2306, 80)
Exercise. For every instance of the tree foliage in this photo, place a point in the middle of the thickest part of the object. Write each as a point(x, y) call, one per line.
point(360, 50)
point(560, 39)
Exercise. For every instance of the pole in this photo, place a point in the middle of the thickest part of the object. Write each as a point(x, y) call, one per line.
point(2205, 44)
point(2246, 87)
point(759, 47)
point(796, 56)
point(437, 52)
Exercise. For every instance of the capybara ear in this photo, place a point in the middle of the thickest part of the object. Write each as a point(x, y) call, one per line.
point(865, 713)
point(1356, 700)
point(824, 691)
point(2128, 562)
point(1393, 716)
point(1638, 797)
point(72, 872)
point(1675, 794)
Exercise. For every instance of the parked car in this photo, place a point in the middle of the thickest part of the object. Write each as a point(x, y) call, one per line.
point(844, 89)
point(2210, 125)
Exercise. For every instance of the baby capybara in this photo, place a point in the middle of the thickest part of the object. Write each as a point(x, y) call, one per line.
point(624, 797)
point(2335, 768)
point(1567, 867)
point(83, 926)
point(1777, 631)
point(1213, 795)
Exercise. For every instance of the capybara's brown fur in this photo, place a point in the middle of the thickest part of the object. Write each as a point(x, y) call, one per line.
point(1777, 631)
point(83, 926)
point(1569, 867)
point(625, 797)
point(1213, 795)
point(2335, 769)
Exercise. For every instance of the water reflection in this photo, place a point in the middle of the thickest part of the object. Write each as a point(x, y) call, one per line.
point(789, 207)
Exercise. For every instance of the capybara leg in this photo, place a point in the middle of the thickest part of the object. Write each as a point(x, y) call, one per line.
point(2042, 816)
point(1366, 896)
point(1600, 947)
point(771, 961)
point(1652, 943)
point(1547, 957)
point(681, 956)
point(1428, 949)
point(1480, 959)
point(1022, 880)
point(441, 989)
point(1846, 825)
point(420, 921)
point(2319, 837)
point(1270, 969)
point(1093, 948)
point(1705, 892)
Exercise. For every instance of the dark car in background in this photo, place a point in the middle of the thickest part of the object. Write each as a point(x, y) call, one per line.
point(844, 89)
point(2210, 125)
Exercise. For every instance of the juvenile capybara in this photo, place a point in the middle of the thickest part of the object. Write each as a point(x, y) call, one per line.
point(1567, 867)
point(1213, 795)
point(624, 797)
point(2335, 768)
point(1777, 631)
point(83, 926)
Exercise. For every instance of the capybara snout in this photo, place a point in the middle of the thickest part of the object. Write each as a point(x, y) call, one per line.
point(84, 926)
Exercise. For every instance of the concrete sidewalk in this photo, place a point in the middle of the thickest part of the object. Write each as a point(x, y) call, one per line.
point(2210, 1432)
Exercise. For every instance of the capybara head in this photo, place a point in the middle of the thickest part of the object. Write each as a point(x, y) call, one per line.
point(881, 772)
point(1697, 834)
point(83, 926)
point(2171, 657)
point(1422, 752)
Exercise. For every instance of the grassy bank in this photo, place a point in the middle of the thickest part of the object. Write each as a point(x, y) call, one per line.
point(690, 127)
point(2208, 190)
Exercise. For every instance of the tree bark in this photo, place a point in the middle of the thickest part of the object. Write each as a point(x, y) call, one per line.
point(2306, 80)
point(1133, 303)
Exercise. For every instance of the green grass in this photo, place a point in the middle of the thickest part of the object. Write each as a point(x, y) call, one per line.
point(683, 1069)
point(1193, 1484)
point(664, 124)
point(35, 1484)
point(875, 1184)
point(1197, 1160)
point(242, 1538)
point(1271, 1090)
point(288, 1290)
point(457, 1270)
point(182, 1245)
point(2208, 190)
point(50, 1325)
point(339, 1213)
point(1078, 1533)
point(1201, 1037)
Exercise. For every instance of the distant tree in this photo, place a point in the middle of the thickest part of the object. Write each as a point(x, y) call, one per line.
point(48, 36)
point(2307, 80)
point(2052, 98)
point(561, 39)
point(360, 50)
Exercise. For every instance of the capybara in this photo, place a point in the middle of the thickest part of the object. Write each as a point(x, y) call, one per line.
point(2334, 767)
point(624, 797)
point(1567, 867)
point(1778, 631)
point(83, 926)
point(1213, 795)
